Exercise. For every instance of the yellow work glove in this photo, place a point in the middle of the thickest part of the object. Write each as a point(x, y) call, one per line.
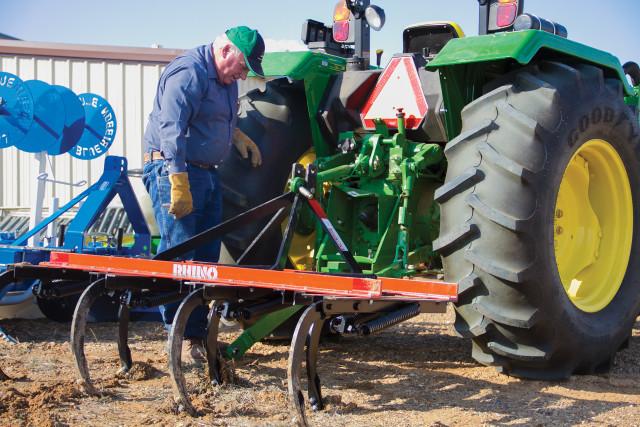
point(181, 200)
point(245, 145)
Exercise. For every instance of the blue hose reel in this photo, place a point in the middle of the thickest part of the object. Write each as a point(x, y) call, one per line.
point(50, 120)
point(37, 117)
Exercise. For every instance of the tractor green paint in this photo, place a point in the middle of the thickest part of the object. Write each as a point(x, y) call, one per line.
point(464, 62)
point(314, 69)
point(259, 331)
point(374, 197)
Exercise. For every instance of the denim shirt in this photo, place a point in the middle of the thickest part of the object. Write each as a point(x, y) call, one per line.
point(194, 115)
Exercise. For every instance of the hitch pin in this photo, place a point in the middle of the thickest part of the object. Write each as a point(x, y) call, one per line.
point(306, 193)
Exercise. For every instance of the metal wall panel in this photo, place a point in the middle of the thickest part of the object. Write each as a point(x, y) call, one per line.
point(127, 85)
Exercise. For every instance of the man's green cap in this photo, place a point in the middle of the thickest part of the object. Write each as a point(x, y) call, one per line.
point(251, 44)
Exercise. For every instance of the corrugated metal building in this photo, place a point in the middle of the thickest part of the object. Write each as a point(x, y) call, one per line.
point(125, 76)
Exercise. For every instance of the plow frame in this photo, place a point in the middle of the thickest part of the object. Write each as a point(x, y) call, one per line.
point(364, 304)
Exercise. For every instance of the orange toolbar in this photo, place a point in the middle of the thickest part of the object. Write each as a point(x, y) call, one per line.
point(287, 280)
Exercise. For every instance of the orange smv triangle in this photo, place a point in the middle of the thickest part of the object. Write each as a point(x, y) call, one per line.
point(398, 87)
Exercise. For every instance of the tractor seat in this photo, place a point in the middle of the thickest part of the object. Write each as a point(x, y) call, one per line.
point(429, 38)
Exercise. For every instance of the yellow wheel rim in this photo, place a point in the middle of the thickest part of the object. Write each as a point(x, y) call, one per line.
point(593, 226)
point(302, 246)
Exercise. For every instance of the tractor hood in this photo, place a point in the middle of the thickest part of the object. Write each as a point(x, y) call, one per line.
point(298, 65)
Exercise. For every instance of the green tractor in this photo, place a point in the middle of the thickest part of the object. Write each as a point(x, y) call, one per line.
point(507, 162)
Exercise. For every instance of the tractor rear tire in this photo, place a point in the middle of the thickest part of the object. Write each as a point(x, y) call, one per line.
point(277, 121)
point(501, 233)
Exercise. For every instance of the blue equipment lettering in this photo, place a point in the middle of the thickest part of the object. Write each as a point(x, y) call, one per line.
point(7, 81)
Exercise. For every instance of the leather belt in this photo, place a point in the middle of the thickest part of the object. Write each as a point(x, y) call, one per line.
point(202, 165)
point(157, 155)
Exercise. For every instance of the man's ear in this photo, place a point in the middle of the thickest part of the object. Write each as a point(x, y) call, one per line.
point(225, 50)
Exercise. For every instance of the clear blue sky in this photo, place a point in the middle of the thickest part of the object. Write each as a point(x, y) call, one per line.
point(610, 25)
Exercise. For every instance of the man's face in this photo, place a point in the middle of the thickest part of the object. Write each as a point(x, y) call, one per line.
point(231, 67)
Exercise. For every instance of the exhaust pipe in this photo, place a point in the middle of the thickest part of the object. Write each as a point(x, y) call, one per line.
point(527, 21)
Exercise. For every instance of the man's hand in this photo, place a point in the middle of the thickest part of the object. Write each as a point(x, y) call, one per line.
point(181, 200)
point(245, 145)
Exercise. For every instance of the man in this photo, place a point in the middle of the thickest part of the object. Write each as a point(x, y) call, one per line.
point(190, 131)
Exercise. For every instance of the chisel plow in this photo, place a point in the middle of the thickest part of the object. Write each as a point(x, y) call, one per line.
point(349, 303)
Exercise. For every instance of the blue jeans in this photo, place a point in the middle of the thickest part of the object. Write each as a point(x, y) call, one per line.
point(207, 212)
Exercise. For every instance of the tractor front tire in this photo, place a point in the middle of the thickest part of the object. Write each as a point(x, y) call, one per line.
point(540, 221)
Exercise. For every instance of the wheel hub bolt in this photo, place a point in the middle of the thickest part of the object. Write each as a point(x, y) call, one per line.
point(559, 230)
point(559, 213)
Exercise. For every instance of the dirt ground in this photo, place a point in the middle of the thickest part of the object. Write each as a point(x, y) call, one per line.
point(418, 373)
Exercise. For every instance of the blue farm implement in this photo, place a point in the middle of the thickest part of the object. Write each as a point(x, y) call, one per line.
point(49, 120)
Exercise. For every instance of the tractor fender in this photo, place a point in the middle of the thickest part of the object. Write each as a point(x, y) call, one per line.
point(466, 64)
point(525, 47)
